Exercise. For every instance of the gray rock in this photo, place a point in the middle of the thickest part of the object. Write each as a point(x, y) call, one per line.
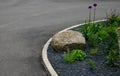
point(68, 40)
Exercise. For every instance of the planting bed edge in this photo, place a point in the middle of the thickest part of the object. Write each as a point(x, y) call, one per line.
point(45, 59)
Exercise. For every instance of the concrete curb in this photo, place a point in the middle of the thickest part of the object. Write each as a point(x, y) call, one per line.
point(46, 62)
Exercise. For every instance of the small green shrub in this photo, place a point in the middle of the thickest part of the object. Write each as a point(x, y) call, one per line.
point(95, 32)
point(91, 28)
point(91, 64)
point(94, 51)
point(70, 57)
point(118, 32)
point(115, 24)
point(112, 32)
point(92, 39)
point(79, 55)
point(112, 57)
point(113, 16)
point(90, 32)
point(102, 35)
point(84, 30)
point(111, 44)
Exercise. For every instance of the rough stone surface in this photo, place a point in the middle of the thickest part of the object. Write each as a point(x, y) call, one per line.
point(118, 32)
point(68, 40)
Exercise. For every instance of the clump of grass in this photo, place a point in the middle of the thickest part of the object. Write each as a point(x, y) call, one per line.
point(79, 54)
point(91, 64)
point(90, 32)
point(70, 57)
point(102, 35)
point(94, 51)
point(113, 17)
point(112, 57)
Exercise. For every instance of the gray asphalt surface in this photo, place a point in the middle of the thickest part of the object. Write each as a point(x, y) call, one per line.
point(25, 26)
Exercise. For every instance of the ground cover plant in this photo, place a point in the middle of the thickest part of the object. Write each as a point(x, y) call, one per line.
point(70, 57)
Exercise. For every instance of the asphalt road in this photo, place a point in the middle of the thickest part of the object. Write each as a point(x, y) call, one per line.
point(25, 26)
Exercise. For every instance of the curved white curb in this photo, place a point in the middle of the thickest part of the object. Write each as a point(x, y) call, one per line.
point(44, 51)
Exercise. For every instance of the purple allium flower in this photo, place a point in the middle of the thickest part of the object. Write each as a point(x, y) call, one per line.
point(95, 4)
point(90, 7)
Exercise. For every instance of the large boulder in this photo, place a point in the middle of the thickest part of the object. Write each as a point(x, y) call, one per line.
point(68, 40)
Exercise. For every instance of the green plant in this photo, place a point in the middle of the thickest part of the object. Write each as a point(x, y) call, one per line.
point(91, 28)
point(102, 35)
point(115, 24)
point(110, 45)
point(94, 51)
point(91, 64)
point(118, 32)
point(112, 57)
point(113, 38)
point(79, 54)
point(92, 39)
point(70, 57)
point(84, 30)
point(113, 34)
point(89, 31)
point(112, 17)
point(109, 34)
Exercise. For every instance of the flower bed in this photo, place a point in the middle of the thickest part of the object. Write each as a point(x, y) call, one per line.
point(100, 56)
point(95, 64)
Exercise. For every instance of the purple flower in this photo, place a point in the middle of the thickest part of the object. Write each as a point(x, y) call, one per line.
point(95, 4)
point(90, 7)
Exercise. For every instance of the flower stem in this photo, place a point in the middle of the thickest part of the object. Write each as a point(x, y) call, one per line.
point(89, 15)
point(94, 14)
